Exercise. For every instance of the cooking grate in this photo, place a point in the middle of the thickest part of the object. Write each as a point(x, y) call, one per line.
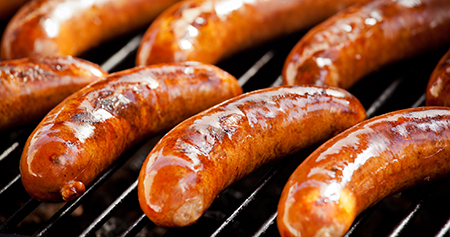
point(247, 208)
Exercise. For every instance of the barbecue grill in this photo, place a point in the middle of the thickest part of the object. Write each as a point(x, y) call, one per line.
point(247, 208)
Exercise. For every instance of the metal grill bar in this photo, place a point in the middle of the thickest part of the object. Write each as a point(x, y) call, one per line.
point(362, 218)
point(15, 180)
point(19, 215)
point(419, 102)
point(8, 151)
point(256, 67)
point(268, 177)
point(444, 229)
point(122, 54)
point(423, 198)
point(110, 210)
point(383, 98)
point(266, 225)
point(137, 226)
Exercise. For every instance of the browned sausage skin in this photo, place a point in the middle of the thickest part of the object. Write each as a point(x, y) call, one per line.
point(30, 87)
point(211, 30)
point(363, 38)
point(89, 130)
point(71, 27)
point(361, 166)
point(438, 88)
point(204, 154)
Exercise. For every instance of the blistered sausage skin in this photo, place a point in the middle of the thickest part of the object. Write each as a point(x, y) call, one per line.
point(196, 160)
point(438, 88)
point(31, 87)
point(361, 166)
point(211, 30)
point(9, 7)
point(88, 131)
point(71, 27)
point(363, 38)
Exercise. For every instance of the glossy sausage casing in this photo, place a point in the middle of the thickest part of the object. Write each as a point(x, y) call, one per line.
point(361, 166)
point(363, 38)
point(89, 130)
point(438, 88)
point(211, 30)
point(31, 87)
point(204, 154)
point(71, 27)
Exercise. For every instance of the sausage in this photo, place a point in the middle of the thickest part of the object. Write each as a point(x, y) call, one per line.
point(72, 27)
point(211, 30)
point(9, 7)
point(363, 38)
point(438, 88)
point(361, 166)
point(87, 132)
point(206, 153)
point(31, 87)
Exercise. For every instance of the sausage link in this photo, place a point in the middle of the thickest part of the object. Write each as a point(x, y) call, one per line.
point(87, 132)
point(31, 87)
point(363, 38)
point(361, 166)
point(211, 30)
point(438, 88)
point(204, 154)
point(71, 27)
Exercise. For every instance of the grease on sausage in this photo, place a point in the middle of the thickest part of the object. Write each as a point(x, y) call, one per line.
point(363, 38)
point(361, 166)
point(204, 154)
point(31, 87)
point(87, 132)
point(72, 27)
point(211, 30)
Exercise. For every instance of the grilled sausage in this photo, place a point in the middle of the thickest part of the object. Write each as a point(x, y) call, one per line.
point(71, 27)
point(9, 7)
point(31, 87)
point(88, 131)
point(210, 30)
point(206, 153)
point(363, 38)
point(361, 166)
point(438, 88)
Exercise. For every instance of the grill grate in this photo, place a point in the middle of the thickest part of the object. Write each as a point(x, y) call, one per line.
point(247, 208)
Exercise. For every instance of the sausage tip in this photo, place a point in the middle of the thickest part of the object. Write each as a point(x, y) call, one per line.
point(319, 206)
point(72, 190)
point(189, 212)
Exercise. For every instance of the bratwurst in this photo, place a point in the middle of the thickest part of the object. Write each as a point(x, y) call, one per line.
point(361, 166)
point(72, 27)
point(88, 131)
point(204, 154)
point(211, 30)
point(363, 38)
